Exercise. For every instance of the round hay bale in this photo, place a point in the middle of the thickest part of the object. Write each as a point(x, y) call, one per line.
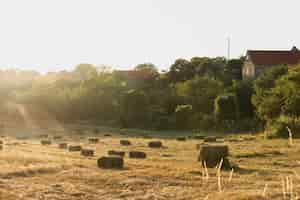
point(125, 142)
point(137, 154)
point(213, 154)
point(87, 152)
point(46, 142)
point(210, 139)
point(116, 153)
point(155, 144)
point(93, 140)
point(181, 139)
point(63, 145)
point(110, 162)
point(75, 148)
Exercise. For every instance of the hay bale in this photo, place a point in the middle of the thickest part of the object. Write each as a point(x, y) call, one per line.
point(75, 148)
point(235, 140)
point(210, 139)
point(213, 154)
point(57, 137)
point(93, 140)
point(63, 145)
point(198, 146)
point(181, 139)
point(198, 137)
point(145, 136)
point(110, 162)
point(155, 144)
point(22, 137)
point(249, 138)
point(43, 135)
point(46, 142)
point(87, 152)
point(116, 153)
point(137, 154)
point(125, 142)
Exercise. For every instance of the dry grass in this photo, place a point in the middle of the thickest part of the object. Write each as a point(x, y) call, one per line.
point(267, 169)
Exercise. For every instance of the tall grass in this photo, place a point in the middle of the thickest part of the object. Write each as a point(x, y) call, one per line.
point(290, 137)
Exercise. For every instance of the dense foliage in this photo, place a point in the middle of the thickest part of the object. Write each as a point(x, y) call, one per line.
point(277, 100)
point(197, 94)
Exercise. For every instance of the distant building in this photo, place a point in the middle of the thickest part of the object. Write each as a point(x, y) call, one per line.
point(257, 61)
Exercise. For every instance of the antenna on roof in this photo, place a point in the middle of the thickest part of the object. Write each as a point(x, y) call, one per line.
point(228, 47)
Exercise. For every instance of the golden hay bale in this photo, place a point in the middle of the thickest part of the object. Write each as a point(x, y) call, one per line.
point(116, 153)
point(181, 139)
point(87, 152)
point(75, 148)
point(213, 154)
point(155, 144)
point(210, 139)
point(63, 145)
point(46, 142)
point(110, 162)
point(137, 154)
point(93, 140)
point(125, 142)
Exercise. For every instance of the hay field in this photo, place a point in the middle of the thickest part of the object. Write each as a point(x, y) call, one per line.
point(265, 169)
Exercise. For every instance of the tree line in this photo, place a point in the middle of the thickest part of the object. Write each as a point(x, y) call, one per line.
point(198, 94)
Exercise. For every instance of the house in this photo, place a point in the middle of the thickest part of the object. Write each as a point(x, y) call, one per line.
point(257, 61)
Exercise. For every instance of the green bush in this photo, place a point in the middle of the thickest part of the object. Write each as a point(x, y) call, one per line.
point(225, 107)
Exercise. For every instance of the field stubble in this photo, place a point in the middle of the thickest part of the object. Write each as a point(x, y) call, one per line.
point(267, 169)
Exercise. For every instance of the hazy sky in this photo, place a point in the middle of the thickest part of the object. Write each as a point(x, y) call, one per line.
point(49, 35)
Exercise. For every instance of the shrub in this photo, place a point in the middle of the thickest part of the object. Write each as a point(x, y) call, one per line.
point(225, 107)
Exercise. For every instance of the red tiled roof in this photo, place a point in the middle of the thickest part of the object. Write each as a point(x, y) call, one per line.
point(266, 57)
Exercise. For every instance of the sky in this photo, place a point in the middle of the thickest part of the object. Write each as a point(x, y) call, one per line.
point(52, 35)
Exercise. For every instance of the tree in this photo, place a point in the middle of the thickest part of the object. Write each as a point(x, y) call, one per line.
point(134, 112)
point(266, 102)
point(181, 70)
point(85, 71)
point(234, 68)
point(200, 92)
